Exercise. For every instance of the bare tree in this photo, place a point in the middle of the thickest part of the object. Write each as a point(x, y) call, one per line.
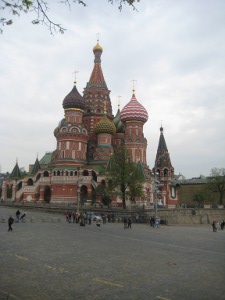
point(41, 9)
point(216, 183)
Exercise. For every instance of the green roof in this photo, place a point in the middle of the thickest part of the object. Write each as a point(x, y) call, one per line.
point(16, 173)
point(46, 159)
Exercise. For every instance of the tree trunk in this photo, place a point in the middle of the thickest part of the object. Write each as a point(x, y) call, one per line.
point(123, 190)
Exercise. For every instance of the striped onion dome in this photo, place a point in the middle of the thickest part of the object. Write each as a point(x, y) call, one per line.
point(73, 100)
point(104, 126)
point(133, 110)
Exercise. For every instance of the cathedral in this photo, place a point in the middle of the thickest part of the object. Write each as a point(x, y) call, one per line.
point(87, 136)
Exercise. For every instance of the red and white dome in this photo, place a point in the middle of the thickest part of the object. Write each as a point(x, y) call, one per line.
point(133, 110)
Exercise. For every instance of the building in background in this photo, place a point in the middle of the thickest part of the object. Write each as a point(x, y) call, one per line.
point(86, 137)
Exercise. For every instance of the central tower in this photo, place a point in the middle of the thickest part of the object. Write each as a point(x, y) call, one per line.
point(96, 97)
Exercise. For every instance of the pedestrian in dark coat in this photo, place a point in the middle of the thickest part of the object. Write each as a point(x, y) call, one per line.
point(214, 226)
point(125, 223)
point(129, 223)
point(17, 216)
point(10, 222)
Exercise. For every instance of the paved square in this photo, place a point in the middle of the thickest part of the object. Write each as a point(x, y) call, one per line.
point(45, 259)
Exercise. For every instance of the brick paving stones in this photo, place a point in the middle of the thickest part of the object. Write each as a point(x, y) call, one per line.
point(47, 258)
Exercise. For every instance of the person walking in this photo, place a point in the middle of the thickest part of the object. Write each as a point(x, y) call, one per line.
point(129, 223)
point(125, 223)
point(18, 216)
point(89, 219)
point(10, 222)
point(222, 224)
point(214, 226)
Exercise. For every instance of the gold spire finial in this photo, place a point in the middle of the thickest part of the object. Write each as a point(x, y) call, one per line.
point(133, 85)
point(98, 36)
point(75, 77)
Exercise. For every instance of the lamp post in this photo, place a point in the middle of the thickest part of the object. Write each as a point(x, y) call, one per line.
point(78, 190)
point(155, 193)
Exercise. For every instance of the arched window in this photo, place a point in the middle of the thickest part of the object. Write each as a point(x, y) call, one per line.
point(58, 173)
point(46, 174)
point(30, 181)
point(165, 172)
point(85, 173)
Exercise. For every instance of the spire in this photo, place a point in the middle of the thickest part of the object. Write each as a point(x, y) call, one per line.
point(162, 143)
point(162, 157)
point(117, 119)
point(16, 173)
point(36, 167)
point(97, 79)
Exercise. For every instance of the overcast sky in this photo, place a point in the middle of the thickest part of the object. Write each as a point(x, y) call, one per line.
point(175, 49)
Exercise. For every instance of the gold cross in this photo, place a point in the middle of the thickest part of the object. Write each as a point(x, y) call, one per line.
point(133, 84)
point(75, 72)
point(98, 36)
point(118, 97)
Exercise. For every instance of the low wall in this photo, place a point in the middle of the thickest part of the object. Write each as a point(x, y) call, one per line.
point(170, 216)
point(192, 216)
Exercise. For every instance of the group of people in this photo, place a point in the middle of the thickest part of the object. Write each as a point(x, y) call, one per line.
point(81, 218)
point(214, 225)
point(19, 216)
point(154, 221)
point(72, 217)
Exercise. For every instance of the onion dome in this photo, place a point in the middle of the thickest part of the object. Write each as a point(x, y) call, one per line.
point(104, 126)
point(73, 100)
point(61, 123)
point(97, 47)
point(56, 131)
point(133, 110)
point(118, 123)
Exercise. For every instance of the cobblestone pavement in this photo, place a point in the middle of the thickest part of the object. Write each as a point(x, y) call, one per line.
point(45, 259)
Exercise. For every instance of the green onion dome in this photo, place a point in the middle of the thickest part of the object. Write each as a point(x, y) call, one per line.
point(104, 126)
point(61, 123)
